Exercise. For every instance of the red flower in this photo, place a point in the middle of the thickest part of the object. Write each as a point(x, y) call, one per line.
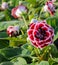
point(17, 11)
point(49, 7)
point(13, 31)
point(40, 34)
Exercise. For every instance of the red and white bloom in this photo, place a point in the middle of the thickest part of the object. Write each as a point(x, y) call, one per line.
point(4, 5)
point(40, 34)
point(13, 31)
point(17, 11)
point(49, 7)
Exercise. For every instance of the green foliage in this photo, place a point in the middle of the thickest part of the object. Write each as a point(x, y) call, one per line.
point(4, 43)
point(53, 21)
point(44, 63)
point(4, 24)
point(16, 61)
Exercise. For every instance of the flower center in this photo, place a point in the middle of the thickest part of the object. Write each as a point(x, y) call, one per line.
point(41, 34)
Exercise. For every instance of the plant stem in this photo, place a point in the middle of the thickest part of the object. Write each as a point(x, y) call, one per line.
point(22, 32)
point(46, 51)
point(36, 52)
point(25, 21)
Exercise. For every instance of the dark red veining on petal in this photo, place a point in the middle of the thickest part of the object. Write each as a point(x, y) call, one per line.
point(40, 34)
point(51, 7)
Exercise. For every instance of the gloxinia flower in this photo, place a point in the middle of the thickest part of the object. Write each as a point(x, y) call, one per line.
point(49, 7)
point(17, 11)
point(4, 5)
point(13, 31)
point(40, 34)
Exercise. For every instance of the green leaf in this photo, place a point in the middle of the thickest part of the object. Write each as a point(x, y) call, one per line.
point(34, 63)
point(31, 1)
point(19, 61)
point(53, 21)
point(44, 63)
point(51, 62)
point(56, 36)
point(54, 51)
point(4, 43)
point(15, 61)
point(7, 63)
point(13, 2)
point(4, 25)
point(3, 34)
point(2, 58)
point(14, 51)
point(55, 59)
point(1, 15)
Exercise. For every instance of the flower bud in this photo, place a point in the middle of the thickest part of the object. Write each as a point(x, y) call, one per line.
point(49, 7)
point(4, 5)
point(13, 31)
point(17, 11)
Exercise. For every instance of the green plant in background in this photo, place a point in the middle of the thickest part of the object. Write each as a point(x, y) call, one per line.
point(17, 49)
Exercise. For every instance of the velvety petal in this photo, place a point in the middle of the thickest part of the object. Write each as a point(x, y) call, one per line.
point(35, 32)
point(31, 38)
point(48, 36)
point(34, 44)
point(44, 45)
point(39, 25)
point(52, 32)
point(34, 35)
point(45, 28)
point(32, 26)
point(13, 12)
point(30, 31)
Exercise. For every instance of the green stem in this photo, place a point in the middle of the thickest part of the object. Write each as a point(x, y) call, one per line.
point(42, 56)
point(37, 52)
point(47, 50)
point(25, 21)
point(22, 32)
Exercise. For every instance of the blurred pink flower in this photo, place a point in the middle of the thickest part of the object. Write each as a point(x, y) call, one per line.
point(17, 11)
point(49, 7)
point(13, 31)
point(40, 34)
point(4, 5)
